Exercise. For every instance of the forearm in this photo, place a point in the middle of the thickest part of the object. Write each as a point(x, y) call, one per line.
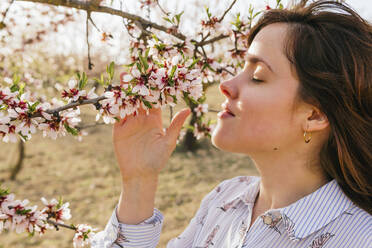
point(137, 200)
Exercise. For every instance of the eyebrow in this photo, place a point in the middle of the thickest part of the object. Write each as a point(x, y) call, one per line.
point(254, 60)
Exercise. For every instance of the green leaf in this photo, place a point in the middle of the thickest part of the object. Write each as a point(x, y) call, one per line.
point(110, 70)
point(208, 12)
point(83, 79)
point(193, 63)
point(4, 192)
point(71, 130)
point(174, 99)
point(60, 203)
point(147, 53)
point(148, 104)
point(14, 88)
point(178, 17)
point(33, 106)
point(189, 127)
point(16, 78)
point(209, 67)
point(139, 66)
point(143, 61)
point(168, 20)
point(174, 68)
point(23, 211)
point(101, 80)
point(154, 37)
point(21, 88)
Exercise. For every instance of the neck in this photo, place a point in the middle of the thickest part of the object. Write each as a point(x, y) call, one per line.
point(286, 178)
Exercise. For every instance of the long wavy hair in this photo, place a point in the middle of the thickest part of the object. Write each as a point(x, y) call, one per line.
point(330, 47)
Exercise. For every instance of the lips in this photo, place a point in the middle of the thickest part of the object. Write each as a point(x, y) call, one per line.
point(227, 109)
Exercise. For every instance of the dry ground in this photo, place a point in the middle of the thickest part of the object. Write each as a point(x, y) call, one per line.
point(86, 175)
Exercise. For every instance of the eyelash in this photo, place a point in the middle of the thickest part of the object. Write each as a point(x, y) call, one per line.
point(256, 80)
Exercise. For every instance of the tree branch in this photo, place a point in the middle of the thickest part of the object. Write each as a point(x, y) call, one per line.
point(212, 40)
point(87, 6)
point(71, 105)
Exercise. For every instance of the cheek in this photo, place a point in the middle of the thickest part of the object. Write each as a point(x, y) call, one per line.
point(265, 119)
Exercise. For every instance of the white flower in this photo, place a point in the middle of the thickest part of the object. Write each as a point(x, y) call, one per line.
point(159, 76)
point(72, 83)
point(92, 94)
point(200, 109)
point(196, 89)
point(83, 235)
point(58, 87)
point(135, 72)
point(176, 59)
point(64, 213)
point(141, 89)
point(4, 119)
point(50, 204)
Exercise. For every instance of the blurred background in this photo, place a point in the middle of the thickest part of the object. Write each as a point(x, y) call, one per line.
point(84, 172)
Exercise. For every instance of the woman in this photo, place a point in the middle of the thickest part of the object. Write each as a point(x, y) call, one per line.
point(302, 110)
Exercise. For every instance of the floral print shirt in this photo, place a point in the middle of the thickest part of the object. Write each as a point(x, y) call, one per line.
point(324, 218)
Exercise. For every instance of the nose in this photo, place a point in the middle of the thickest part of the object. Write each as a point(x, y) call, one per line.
point(229, 89)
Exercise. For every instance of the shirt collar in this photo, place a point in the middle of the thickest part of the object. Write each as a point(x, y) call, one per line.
point(308, 214)
point(316, 210)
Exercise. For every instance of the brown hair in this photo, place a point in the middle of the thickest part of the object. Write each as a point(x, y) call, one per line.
point(330, 48)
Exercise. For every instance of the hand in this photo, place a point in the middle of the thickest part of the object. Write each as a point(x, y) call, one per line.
point(142, 147)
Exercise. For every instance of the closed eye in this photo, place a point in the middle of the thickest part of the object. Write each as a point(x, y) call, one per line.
point(257, 80)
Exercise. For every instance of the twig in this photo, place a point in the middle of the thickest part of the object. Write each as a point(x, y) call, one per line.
point(7, 9)
point(94, 25)
point(224, 14)
point(224, 69)
point(161, 8)
point(90, 65)
point(212, 40)
point(56, 225)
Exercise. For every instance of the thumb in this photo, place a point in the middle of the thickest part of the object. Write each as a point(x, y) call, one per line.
point(175, 127)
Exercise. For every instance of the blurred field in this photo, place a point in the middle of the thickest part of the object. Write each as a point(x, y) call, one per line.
point(86, 175)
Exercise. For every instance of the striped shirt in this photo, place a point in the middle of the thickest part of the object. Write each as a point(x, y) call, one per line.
point(324, 218)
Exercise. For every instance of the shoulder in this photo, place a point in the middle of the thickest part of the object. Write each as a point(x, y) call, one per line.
point(353, 228)
point(359, 220)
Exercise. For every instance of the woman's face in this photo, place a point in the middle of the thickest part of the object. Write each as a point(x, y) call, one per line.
point(261, 99)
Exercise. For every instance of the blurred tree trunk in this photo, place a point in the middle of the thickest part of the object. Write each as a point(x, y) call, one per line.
point(189, 142)
point(21, 156)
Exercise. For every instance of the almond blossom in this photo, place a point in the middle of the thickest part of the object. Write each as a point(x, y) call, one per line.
point(83, 235)
point(17, 216)
point(201, 109)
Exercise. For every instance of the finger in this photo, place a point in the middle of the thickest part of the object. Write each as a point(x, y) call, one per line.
point(174, 129)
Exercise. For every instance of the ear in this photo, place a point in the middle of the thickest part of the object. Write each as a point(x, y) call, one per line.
point(316, 120)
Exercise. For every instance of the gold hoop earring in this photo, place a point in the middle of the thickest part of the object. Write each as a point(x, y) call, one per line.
point(307, 139)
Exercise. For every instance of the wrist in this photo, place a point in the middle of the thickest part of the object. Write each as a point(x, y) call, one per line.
point(137, 200)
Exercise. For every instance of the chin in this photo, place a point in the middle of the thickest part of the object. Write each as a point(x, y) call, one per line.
point(222, 140)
